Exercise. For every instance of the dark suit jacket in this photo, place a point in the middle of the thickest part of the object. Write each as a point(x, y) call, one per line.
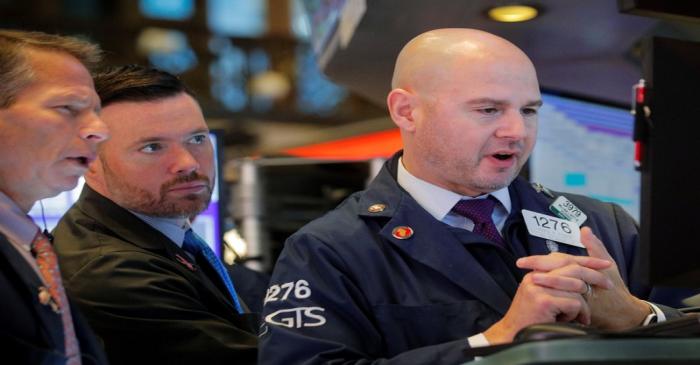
point(140, 296)
point(31, 333)
point(363, 294)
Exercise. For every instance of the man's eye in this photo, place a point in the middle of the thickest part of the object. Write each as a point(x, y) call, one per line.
point(66, 109)
point(151, 147)
point(198, 139)
point(529, 111)
point(489, 110)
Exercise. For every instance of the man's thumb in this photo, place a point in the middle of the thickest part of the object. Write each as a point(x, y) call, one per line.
point(594, 246)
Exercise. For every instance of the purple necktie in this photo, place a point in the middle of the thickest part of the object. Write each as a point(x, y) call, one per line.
point(479, 211)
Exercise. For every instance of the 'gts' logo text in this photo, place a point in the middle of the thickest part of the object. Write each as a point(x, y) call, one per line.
point(297, 317)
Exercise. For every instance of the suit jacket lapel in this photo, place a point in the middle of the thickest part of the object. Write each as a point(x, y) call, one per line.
point(439, 249)
point(49, 321)
point(130, 228)
point(432, 243)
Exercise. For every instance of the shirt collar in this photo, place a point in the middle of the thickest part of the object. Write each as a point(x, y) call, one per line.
point(15, 223)
point(439, 201)
point(173, 228)
point(19, 229)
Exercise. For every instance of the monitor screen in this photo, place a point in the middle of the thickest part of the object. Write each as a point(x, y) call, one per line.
point(586, 148)
point(207, 224)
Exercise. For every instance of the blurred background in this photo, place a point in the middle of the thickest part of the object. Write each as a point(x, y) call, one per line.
point(294, 90)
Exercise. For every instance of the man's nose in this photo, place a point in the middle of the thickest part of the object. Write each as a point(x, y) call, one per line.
point(94, 129)
point(184, 162)
point(513, 126)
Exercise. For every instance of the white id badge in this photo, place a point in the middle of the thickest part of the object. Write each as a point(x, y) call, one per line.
point(564, 208)
point(552, 228)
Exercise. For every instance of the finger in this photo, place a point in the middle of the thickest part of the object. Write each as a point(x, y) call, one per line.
point(559, 282)
point(573, 279)
point(571, 306)
point(584, 315)
point(597, 278)
point(594, 246)
point(555, 261)
point(547, 303)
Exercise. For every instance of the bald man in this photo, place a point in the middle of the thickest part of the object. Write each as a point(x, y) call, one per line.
point(448, 248)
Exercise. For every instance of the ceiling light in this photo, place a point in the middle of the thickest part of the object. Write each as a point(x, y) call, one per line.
point(270, 84)
point(512, 13)
point(160, 40)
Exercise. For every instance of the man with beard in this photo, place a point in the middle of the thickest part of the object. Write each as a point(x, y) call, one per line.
point(148, 285)
point(434, 256)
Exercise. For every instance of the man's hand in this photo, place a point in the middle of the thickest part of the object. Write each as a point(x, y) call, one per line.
point(552, 296)
point(611, 304)
point(568, 272)
point(617, 308)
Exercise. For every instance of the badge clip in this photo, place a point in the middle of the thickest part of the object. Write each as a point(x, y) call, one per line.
point(541, 189)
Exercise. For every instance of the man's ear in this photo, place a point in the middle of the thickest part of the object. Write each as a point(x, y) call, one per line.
point(402, 108)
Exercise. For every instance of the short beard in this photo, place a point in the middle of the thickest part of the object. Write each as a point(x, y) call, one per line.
point(134, 198)
point(491, 186)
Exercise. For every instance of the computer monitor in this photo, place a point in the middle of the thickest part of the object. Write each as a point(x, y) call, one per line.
point(207, 224)
point(585, 147)
point(670, 242)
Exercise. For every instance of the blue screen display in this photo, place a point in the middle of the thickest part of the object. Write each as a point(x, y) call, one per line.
point(586, 148)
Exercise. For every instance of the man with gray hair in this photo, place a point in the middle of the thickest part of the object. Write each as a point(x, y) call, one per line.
point(49, 128)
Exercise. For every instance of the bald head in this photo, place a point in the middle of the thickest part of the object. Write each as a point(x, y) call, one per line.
point(466, 103)
point(432, 57)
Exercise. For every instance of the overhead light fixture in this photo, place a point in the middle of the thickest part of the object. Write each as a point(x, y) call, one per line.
point(270, 84)
point(512, 13)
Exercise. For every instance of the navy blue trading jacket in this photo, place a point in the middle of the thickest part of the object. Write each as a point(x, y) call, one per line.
point(346, 291)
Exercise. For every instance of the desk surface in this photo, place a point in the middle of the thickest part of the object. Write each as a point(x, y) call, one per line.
point(637, 351)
